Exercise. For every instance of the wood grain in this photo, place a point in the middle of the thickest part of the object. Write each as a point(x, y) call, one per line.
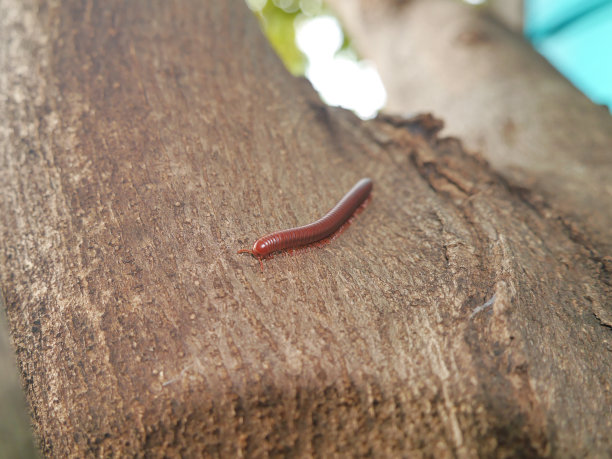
point(145, 142)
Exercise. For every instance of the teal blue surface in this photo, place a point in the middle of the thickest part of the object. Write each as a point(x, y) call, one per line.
point(576, 37)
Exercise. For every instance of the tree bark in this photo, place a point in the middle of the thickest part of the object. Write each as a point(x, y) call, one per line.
point(146, 142)
point(499, 96)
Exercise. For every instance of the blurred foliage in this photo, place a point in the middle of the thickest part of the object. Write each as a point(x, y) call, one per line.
point(278, 25)
point(16, 439)
point(278, 18)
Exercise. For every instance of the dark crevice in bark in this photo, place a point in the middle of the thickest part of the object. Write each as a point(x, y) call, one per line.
point(602, 322)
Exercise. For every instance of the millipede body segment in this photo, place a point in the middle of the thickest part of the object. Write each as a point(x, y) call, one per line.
point(320, 229)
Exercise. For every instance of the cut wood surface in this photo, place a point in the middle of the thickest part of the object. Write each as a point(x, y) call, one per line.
point(145, 143)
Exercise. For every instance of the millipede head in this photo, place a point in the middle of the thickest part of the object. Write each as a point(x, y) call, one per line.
point(261, 248)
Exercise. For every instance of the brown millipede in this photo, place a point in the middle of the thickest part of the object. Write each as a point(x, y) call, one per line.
point(307, 234)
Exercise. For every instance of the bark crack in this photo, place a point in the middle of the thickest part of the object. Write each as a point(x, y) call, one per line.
point(546, 211)
point(602, 322)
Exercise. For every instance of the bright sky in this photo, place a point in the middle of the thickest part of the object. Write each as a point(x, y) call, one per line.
point(339, 77)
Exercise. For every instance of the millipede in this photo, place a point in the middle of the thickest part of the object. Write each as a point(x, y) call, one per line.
point(320, 229)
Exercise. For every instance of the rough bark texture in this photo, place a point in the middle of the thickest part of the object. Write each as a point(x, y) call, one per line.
point(496, 94)
point(146, 142)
